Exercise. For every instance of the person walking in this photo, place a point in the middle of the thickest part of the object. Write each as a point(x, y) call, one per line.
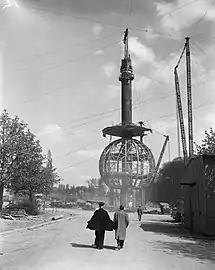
point(139, 213)
point(121, 221)
point(100, 222)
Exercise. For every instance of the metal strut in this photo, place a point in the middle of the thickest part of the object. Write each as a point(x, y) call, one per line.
point(189, 98)
point(160, 159)
point(180, 113)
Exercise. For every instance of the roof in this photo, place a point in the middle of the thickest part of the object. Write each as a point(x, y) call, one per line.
point(126, 130)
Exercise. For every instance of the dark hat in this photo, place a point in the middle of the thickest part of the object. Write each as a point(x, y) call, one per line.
point(121, 207)
point(101, 204)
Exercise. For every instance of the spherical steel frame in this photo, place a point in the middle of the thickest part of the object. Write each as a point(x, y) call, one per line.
point(135, 156)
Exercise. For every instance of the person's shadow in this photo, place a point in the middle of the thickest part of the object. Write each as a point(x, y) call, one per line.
point(76, 245)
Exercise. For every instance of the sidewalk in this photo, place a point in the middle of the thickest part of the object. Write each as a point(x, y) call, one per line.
point(8, 225)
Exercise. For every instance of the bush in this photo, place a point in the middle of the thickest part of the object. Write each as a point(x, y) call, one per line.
point(31, 208)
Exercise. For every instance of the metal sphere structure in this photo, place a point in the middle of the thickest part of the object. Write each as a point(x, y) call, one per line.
point(126, 162)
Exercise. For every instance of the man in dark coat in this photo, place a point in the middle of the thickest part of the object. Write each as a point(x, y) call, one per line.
point(139, 213)
point(100, 222)
point(121, 221)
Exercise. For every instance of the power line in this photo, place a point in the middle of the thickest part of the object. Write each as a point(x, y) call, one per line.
point(178, 8)
point(114, 110)
point(83, 147)
point(104, 113)
point(198, 66)
point(72, 60)
point(118, 109)
point(204, 15)
point(67, 85)
point(195, 108)
point(77, 164)
point(54, 12)
point(47, 53)
point(88, 159)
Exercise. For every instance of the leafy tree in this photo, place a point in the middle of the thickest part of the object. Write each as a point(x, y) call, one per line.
point(12, 134)
point(92, 186)
point(21, 159)
point(168, 188)
point(208, 143)
point(101, 187)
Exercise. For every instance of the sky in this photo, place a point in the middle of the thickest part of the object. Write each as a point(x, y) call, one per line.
point(60, 66)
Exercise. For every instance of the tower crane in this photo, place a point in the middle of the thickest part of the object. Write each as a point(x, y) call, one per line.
point(180, 112)
point(189, 102)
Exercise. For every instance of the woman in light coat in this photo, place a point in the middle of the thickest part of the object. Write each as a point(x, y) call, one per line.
point(121, 221)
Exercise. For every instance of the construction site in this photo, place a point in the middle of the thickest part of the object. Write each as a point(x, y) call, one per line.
point(109, 135)
point(127, 165)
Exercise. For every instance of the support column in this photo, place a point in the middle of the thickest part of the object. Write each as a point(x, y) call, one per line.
point(123, 196)
point(143, 197)
point(111, 196)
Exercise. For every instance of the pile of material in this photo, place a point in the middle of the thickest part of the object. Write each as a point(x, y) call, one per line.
point(12, 212)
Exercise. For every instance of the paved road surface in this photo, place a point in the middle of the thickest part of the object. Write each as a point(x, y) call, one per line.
point(152, 244)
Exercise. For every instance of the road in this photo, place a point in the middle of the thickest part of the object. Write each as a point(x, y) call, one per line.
point(150, 245)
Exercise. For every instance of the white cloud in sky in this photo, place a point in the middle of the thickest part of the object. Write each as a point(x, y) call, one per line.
point(141, 52)
point(51, 132)
point(183, 17)
point(163, 69)
point(97, 28)
point(109, 69)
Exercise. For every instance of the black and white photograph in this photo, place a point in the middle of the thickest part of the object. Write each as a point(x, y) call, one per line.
point(107, 134)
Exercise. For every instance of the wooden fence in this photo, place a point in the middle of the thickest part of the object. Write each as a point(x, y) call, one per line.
point(199, 194)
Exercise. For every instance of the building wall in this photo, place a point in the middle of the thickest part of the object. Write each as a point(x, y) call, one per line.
point(199, 206)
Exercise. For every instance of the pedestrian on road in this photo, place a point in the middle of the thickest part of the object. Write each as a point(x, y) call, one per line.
point(139, 213)
point(121, 221)
point(100, 222)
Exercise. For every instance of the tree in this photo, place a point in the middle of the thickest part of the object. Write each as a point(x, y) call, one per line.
point(168, 188)
point(92, 186)
point(101, 187)
point(36, 178)
point(207, 144)
point(12, 134)
point(21, 159)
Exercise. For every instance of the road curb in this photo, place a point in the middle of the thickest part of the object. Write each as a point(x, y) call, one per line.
point(37, 225)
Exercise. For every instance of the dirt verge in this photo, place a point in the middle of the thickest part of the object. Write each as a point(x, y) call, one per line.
point(28, 221)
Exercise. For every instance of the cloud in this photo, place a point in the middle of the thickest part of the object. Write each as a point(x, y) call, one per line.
point(109, 69)
point(141, 83)
point(185, 14)
point(99, 52)
point(150, 34)
point(97, 28)
point(51, 132)
point(162, 69)
point(141, 52)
